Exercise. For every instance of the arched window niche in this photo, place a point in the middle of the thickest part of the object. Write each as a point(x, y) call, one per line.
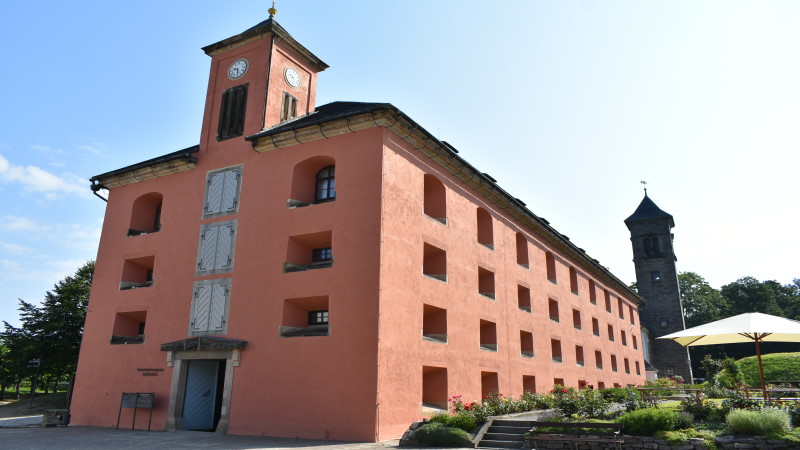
point(146, 214)
point(313, 182)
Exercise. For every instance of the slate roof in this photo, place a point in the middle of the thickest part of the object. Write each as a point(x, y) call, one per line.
point(323, 114)
point(265, 27)
point(649, 210)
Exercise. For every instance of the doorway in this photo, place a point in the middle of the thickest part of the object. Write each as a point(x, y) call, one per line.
point(202, 402)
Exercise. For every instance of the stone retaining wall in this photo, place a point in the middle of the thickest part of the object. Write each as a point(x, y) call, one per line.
point(755, 442)
point(631, 443)
point(648, 443)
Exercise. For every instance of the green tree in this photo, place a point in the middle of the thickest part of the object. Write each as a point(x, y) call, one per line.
point(52, 331)
point(747, 294)
point(701, 302)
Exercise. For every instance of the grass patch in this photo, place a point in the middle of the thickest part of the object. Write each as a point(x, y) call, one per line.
point(41, 403)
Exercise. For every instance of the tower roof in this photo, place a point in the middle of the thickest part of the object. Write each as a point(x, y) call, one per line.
point(265, 28)
point(648, 210)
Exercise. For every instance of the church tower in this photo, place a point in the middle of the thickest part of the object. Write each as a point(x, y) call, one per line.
point(657, 280)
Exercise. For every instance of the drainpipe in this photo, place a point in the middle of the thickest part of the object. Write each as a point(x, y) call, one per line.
point(96, 187)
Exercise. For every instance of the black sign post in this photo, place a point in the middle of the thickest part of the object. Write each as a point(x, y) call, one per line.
point(136, 400)
point(35, 362)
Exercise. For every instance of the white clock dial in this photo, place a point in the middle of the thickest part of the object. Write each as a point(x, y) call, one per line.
point(292, 77)
point(238, 68)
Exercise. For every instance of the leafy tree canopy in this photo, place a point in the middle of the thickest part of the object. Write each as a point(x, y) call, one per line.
point(52, 331)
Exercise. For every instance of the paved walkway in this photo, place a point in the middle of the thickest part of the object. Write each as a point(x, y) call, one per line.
point(21, 422)
point(77, 437)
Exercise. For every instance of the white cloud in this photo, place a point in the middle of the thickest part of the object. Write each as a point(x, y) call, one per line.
point(10, 266)
point(47, 150)
point(14, 248)
point(34, 179)
point(16, 223)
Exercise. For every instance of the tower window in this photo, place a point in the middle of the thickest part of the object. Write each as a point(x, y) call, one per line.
point(288, 107)
point(231, 112)
point(326, 186)
point(664, 323)
point(655, 276)
point(651, 247)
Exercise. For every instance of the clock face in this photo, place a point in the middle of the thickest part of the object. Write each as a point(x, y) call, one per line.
point(238, 68)
point(292, 77)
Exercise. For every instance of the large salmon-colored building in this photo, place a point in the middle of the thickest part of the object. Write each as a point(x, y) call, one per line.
point(329, 272)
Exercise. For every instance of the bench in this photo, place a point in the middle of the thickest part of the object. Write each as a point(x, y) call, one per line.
point(576, 432)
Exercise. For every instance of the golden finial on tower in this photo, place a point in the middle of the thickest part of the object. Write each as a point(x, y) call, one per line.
point(272, 11)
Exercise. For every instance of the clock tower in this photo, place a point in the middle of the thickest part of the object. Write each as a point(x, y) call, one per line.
point(657, 281)
point(259, 78)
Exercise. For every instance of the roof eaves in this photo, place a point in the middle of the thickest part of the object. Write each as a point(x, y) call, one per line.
point(185, 154)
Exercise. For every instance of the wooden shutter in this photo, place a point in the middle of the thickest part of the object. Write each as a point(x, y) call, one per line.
point(209, 308)
point(216, 310)
point(216, 247)
point(231, 112)
point(222, 192)
point(202, 303)
point(208, 248)
point(214, 190)
point(230, 191)
point(224, 245)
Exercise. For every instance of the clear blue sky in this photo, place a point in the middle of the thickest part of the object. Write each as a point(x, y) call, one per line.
point(568, 104)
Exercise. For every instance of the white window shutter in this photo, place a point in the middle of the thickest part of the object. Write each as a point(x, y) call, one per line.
point(230, 191)
point(224, 245)
point(216, 312)
point(214, 193)
point(208, 249)
point(202, 304)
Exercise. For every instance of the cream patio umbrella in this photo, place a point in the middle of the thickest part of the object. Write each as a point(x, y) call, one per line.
point(749, 327)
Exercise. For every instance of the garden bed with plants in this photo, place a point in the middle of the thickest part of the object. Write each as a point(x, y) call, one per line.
point(714, 417)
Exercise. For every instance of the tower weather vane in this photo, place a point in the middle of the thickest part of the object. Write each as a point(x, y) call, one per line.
point(644, 183)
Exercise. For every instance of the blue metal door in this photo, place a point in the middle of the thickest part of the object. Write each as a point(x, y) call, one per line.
point(201, 392)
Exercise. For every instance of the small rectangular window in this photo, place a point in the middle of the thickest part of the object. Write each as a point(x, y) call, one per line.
point(320, 255)
point(318, 317)
point(288, 107)
point(231, 112)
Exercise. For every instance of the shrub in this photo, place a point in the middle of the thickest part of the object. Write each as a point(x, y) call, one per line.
point(794, 412)
point(635, 401)
point(680, 436)
point(685, 420)
point(440, 435)
point(759, 423)
point(465, 422)
point(566, 401)
point(531, 401)
point(617, 395)
point(715, 391)
point(591, 404)
point(699, 409)
point(645, 422)
point(737, 400)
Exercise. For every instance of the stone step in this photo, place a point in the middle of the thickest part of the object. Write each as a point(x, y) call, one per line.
point(513, 423)
point(510, 430)
point(485, 443)
point(492, 436)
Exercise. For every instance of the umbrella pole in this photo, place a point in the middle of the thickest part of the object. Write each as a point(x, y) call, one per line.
point(761, 368)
